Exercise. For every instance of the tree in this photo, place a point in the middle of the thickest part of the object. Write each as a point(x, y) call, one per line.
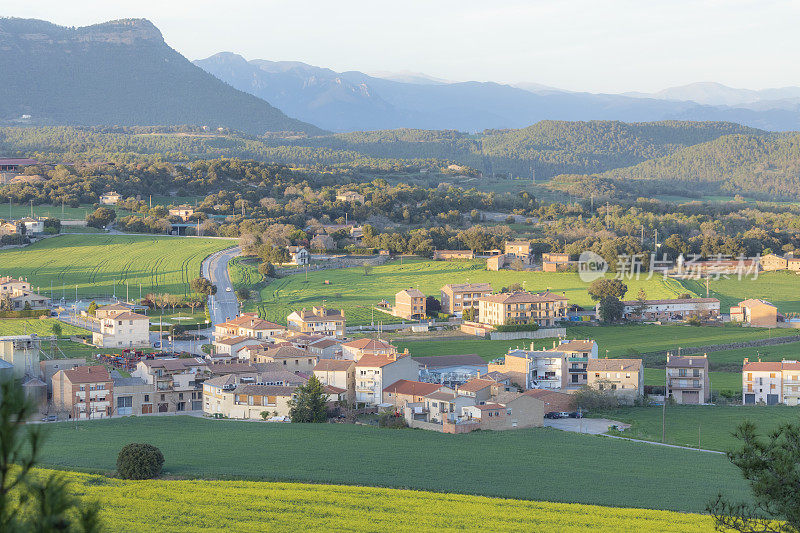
point(771, 469)
point(56, 329)
point(266, 269)
point(308, 402)
point(367, 270)
point(641, 302)
point(28, 503)
point(242, 294)
point(202, 286)
point(604, 287)
point(101, 217)
point(432, 305)
point(92, 310)
point(470, 314)
point(139, 461)
point(611, 309)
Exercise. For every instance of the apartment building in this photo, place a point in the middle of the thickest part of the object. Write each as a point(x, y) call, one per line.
point(564, 366)
point(375, 372)
point(577, 353)
point(459, 296)
point(340, 373)
point(287, 356)
point(671, 309)
point(409, 304)
point(687, 379)
point(177, 384)
point(121, 329)
point(625, 377)
point(522, 307)
point(318, 319)
point(356, 349)
point(771, 383)
point(85, 392)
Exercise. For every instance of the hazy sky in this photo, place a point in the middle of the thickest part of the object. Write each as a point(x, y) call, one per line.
point(593, 45)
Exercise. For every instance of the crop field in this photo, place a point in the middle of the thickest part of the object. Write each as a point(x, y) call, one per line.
point(781, 288)
point(248, 506)
point(356, 292)
point(620, 341)
point(713, 425)
point(103, 265)
point(38, 326)
point(517, 464)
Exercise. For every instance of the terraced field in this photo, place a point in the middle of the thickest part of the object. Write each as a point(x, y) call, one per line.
point(260, 506)
point(104, 265)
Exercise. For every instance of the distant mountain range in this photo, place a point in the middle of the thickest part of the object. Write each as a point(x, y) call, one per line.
point(118, 73)
point(716, 94)
point(353, 101)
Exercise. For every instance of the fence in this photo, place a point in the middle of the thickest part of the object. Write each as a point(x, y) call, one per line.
point(538, 334)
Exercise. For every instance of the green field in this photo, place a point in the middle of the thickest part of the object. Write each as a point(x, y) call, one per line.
point(103, 265)
point(735, 357)
point(719, 380)
point(38, 326)
point(52, 211)
point(714, 423)
point(618, 340)
point(532, 464)
point(350, 289)
point(781, 288)
point(247, 506)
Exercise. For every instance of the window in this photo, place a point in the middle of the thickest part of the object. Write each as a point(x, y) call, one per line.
point(696, 373)
point(628, 375)
point(682, 372)
point(82, 387)
point(146, 397)
point(613, 386)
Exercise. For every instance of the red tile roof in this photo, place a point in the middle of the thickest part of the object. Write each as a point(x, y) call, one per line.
point(87, 374)
point(412, 388)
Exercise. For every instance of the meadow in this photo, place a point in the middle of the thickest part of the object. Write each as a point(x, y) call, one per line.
point(38, 326)
point(356, 292)
point(712, 424)
point(104, 265)
point(260, 506)
point(781, 288)
point(628, 340)
point(532, 464)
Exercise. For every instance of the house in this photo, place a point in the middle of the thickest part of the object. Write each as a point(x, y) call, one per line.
point(771, 383)
point(405, 391)
point(84, 392)
point(248, 325)
point(110, 198)
point(409, 304)
point(453, 255)
point(625, 377)
point(459, 296)
point(319, 319)
point(481, 389)
point(340, 373)
point(756, 312)
point(122, 329)
point(560, 402)
point(256, 401)
point(22, 352)
point(452, 370)
point(230, 346)
point(577, 354)
point(132, 396)
point(793, 264)
point(771, 262)
point(562, 367)
point(289, 357)
point(521, 250)
point(49, 367)
point(183, 212)
point(176, 384)
point(375, 372)
point(33, 226)
point(515, 411)
point(326, 348)
point(350, 196)
point(300, 255)
point(496, 262)
point(522, 307)
point(687, 379)
point(214, 389)
point(19, 293)
point(671, 309)
point(356, 349)
point(555, 262)
point(442, 406)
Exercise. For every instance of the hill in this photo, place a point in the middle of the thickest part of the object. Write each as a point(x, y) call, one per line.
point(351, 101)
point(120, 72)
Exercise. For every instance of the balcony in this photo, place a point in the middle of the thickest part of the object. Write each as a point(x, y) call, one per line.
point(576, 359)
point(577, 370)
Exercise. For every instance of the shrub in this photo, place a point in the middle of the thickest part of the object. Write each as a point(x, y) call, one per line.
point(517, 327)
point(139, 461)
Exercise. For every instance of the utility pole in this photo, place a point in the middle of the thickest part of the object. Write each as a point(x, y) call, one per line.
point(642, 242)
point(655, 248)
point(608, 213)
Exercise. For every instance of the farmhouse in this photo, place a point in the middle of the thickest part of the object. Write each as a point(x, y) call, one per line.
point(350, 196)
point(459, 296)
point(110, 198)
point(671, 309)
point(409, 304)
point(452, 255)
point(299, 255)
point(522, 307)
point(771, 383)
point(688, 381)
point(319, 319)
point(521, 250)
point(625, 377)
point(756, 312)
point(183, 212)
point(554, 262)
point(84, 391)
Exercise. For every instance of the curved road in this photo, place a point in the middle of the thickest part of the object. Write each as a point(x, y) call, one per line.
point(223, 305)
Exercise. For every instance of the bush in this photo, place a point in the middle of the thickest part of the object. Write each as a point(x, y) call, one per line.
point(139, 461)
point(518, 327)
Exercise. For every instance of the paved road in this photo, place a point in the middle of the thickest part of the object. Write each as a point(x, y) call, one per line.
point(222, 305)
point(593, 426)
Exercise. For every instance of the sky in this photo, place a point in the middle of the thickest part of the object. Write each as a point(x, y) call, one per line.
point(584, 45)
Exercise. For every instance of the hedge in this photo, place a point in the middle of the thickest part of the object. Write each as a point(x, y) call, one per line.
point(517, 327)
point(29, 313)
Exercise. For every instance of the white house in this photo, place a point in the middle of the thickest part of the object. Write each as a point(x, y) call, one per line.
point(122, 329)
point(375, 372)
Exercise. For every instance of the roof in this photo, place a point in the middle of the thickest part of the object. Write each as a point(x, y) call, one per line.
point(413, 293)
point(494, 375)
point(308, 315)
point(231, 368)
point(440, 361)
point(127, 315)
point(5, 364)
point(250, 322)
point(13, 161)
point(87, 374)
point(521, 297)
point(441, 396)
point(553, 400)
point(129, 382)
point(285, 351)
point(754, 302)
point(375, 361)
point(221, 381)
point(758, 366)
point(325, 342)
point(489, 406)
point(614, 365)
point(230, 341)
point(113, 307)
point(369, 344)
point(475, 385)
point(691, 361)
point(412, 388)
point(574, 345)
point(173, 364)
point(264, 390)
point(334, 365)
point(674, 301)
point(468, 287)
point(330, 389)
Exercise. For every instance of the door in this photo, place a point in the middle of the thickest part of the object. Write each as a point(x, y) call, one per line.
point(772, 399)
point(163, 408)
point(147, 409)
point(749, 399)
point(690, 397)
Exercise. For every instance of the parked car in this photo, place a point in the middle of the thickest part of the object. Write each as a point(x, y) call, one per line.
point(563, 414)
point(552, 414)
point(228, 289)
point(156, 344)
point(576, 414)
point(49, 418)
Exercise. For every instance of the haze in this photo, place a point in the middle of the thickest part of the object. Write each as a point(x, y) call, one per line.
point(610, 46)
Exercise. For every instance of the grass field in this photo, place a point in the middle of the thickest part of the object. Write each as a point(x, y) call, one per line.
point(52, 211)
point(780, 288)
point(719, 380)
point(532, 464)
point(618, 340)
point(39, 326)
point(714, 423)
point(244, 506)
point(767, 353)
point(350, 289)
point(101, 265)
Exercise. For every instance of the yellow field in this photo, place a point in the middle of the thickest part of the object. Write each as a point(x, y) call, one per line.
point(242, 506)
